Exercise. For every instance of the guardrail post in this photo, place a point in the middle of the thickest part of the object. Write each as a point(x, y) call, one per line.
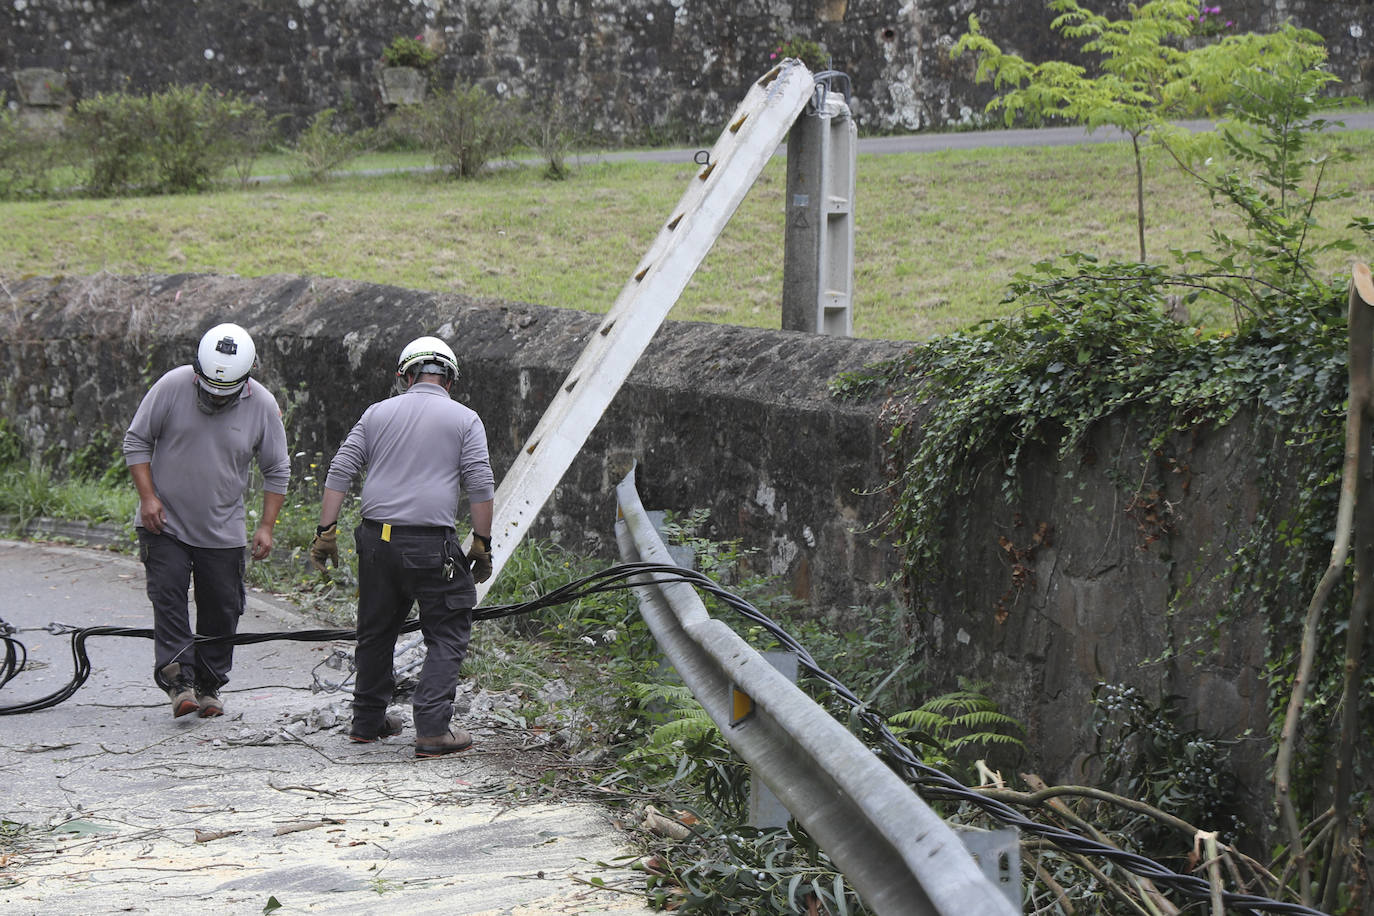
point(998, 854)
point(765, 809)
point(818, 251)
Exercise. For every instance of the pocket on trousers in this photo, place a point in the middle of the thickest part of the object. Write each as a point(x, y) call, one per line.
point(422, 558)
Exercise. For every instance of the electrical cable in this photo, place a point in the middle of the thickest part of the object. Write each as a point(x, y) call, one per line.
point(926, 779)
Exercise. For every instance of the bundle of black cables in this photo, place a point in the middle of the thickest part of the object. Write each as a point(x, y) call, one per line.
point(928, 781)
point(608, 579)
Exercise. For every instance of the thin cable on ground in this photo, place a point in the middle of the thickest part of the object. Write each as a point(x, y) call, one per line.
point(927, 780)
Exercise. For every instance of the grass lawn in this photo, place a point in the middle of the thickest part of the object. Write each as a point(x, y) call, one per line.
point(938, 235)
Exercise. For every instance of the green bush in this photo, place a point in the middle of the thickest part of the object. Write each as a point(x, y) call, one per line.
point(325, 146)
point(190, 141)
point(176, 141)
point(809, 52)
point(408, 52)
point(463, 129)
point(551, 127)
point(26, 158)
point(111, 132)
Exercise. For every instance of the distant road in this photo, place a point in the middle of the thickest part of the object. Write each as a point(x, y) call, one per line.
point(973, 139)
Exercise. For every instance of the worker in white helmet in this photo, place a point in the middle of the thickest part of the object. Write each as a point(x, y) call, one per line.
point(190, 448)
point(422, 450)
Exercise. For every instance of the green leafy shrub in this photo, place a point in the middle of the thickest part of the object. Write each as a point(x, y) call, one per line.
point(11, 444)
point(747, 870)
point(111, 131)
point(463, 128)
point(176, 141)
point(189, 141)
point(325, 146)
point(552, 128)
point(26, 158)
point(409, 52)
point(253, 133)
point(809, 52)
point(1142, 752)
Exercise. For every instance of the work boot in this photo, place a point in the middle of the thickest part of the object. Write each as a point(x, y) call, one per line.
point(451, 742)
point(210, 703)
point(181, 689)
point(391, 726)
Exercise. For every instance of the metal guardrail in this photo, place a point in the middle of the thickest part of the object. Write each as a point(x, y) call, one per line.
point(895, 851)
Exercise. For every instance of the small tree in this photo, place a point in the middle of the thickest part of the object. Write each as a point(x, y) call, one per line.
point(324, 146)
point(463, 129)
point(551, 127)
point(1147, 77)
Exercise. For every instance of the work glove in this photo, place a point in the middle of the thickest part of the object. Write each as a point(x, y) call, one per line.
point(479, 556)
point(325, 547)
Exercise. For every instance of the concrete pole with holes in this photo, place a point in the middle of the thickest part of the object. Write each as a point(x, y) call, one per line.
point(818, 254)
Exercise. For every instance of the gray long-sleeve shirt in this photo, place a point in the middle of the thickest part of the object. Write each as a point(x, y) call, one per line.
point(420, 448)
point(200, 462)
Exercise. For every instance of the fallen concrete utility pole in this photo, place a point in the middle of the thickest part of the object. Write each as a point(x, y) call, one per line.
point(727, 172)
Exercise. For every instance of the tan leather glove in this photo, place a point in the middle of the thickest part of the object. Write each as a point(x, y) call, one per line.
point(325, 547)
point(479, 555)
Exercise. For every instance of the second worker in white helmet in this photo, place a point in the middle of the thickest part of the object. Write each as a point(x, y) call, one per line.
point(422, 450)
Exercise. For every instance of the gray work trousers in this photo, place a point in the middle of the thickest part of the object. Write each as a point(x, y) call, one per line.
point(406, 568)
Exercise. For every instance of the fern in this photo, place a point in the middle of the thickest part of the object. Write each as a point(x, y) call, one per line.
point(957, 724)
point(687, 722)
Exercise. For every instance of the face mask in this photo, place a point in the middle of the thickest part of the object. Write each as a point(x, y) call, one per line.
point(214, 403)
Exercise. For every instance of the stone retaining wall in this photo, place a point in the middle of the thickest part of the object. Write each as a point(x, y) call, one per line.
point(740, 421)
point(635, 69)
point(735, 420)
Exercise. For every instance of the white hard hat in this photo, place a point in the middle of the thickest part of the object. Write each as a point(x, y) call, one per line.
point(225, 357)
point(427, 354)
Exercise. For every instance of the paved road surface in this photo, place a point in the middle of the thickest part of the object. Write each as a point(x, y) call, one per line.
point(974, 139)
point(155, 814)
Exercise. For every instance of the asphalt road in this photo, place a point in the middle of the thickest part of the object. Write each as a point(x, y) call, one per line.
point(973, 139)
point(114, 806)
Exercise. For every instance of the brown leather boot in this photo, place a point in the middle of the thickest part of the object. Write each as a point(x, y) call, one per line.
point(391, 726)
point(181, 689)
point(210, 703)
point(453, 741)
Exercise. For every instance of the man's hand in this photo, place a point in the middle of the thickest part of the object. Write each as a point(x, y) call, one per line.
point(151, 514)
point(262, 541)
point(479, 555)
point(325, 547)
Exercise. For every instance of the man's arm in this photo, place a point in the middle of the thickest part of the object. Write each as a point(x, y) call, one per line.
point(330, 504)
point(481, 517)
point(150, 511)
